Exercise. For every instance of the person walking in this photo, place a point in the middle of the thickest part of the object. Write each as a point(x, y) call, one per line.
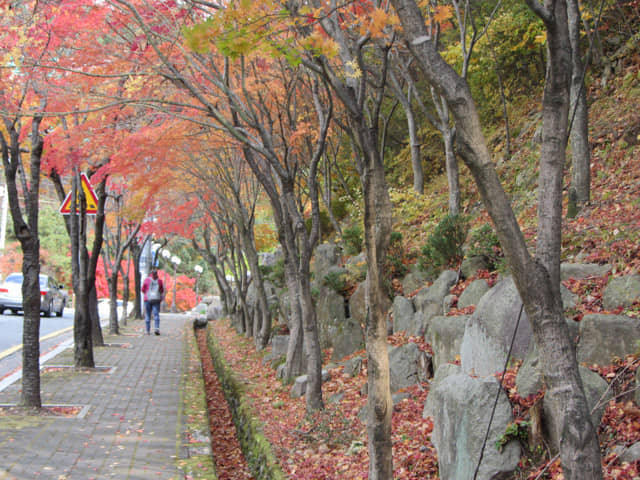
point(153, 290)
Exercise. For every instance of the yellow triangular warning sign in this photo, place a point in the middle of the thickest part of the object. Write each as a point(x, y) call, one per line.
point(89, 195)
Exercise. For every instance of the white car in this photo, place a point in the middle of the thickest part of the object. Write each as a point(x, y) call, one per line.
point(53, 298)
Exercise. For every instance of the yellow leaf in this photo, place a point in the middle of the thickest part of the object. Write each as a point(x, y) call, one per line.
point(442, 13)
point(378, 22)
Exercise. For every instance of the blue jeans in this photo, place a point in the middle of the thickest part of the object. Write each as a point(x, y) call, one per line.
point(152, 308)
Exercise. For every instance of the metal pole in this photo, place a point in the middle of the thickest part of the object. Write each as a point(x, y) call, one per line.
point(173, 300)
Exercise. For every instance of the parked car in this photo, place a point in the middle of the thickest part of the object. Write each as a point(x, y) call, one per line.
point(53, 298)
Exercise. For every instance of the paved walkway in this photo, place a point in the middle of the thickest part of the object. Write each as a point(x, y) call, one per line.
point(129, 423)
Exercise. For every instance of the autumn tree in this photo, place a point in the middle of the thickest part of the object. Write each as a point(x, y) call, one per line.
point(221, 173)
point(25, 225)
point(119, 235)
point(25, 104)
point(537, 278)
point(222, 82)
point(350, 49)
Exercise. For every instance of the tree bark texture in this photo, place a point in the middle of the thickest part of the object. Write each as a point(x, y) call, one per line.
point(27, 234)
point(579, 114)
point(537, 281)
point(377, 231)
point(453, 176)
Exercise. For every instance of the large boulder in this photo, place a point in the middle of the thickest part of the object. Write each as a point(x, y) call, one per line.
point(284, 308)
point(357, 266)
point(621, 292)
point(603, 337)
point(403, 313)
point(346, 338)
point(299, 387)
point(582, 270)
point(404, 366)
point(279, 345)
point(429, 302)
point(489, 331)
point(278, 353)
point(357, 304)
point(214, 311)
point(470, 265)
point(331, 314)
point(327, 255)
point(473, 293)
point(436, 292)
point(414, 280)
point(269, 259)
point(445, 336)
point(460, 406)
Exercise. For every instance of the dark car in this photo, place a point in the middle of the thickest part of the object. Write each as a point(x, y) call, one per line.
point(53, 298)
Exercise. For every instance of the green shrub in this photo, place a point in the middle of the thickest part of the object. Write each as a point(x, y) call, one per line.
point(339, 208)
point(483, 241)
point(352, 238)
point(274, 273)
point(444, 245)
point(396, 257)
point(336, 280)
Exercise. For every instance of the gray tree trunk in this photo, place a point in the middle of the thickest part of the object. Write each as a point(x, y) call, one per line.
point(294, 363)
point(377, 231)
point(96, 329)
point(537, 280)
point(27, 234)
point(414, 142)
point(453, 176)
point(113, 302)
point(579, 114)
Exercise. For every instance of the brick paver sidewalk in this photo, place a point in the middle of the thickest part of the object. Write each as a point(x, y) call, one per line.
point(129, 426)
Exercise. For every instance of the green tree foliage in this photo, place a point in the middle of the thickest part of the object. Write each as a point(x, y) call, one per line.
point(352, 238)
point(514, 43)
point(444, 246)
point(54, 244)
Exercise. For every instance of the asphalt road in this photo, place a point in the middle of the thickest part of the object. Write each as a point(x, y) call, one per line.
point(56, 334)
point(11, 328)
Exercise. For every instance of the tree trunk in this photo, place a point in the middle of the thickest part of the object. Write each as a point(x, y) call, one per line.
point(137, 281)
point(113, 303)
point(30, 395)
point(537, 281)
point(83, 344)
point(414, 142)
point(579, 115)
point(377, 231)
point(96, 329)
point(27, 234)
point(453, 177)
point(294, 364)
point(125, 288)
point(313, 393)
point(262, 318)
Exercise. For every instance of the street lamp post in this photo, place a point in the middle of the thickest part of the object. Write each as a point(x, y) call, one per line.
point(166, 254)
point(176, 261)
point(198, 270)
point(154, 251)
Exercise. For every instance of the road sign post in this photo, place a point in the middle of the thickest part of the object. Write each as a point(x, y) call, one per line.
point(89, 195)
